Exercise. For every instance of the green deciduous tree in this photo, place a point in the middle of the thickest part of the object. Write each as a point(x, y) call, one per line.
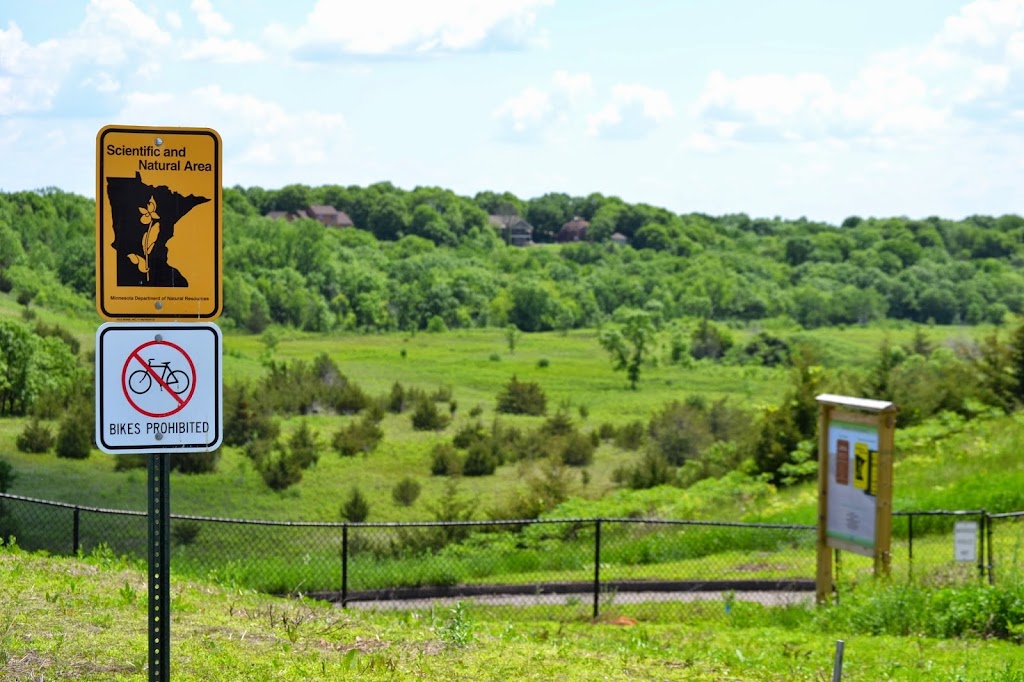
point(630, 344)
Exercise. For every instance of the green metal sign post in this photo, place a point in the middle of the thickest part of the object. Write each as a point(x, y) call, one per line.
point(159, 503)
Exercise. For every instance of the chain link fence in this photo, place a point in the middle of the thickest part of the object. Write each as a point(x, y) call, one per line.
point(564, 568)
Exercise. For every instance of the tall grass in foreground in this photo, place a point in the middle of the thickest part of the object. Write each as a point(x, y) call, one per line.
point(85, 619)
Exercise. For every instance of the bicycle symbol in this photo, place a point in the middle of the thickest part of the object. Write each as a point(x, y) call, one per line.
point(141, 380)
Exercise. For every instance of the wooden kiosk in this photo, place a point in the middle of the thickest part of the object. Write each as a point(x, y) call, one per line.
point(855, 446)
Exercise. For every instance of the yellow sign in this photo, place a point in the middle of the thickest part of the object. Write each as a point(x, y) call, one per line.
point(861, 466)
point(158, 224)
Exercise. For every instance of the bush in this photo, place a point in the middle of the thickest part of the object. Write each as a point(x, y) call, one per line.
point(74, 439)
point(273, 463)
point(35, 438)
point(558, 424)
point(653, 470)
point(356, 508)
point(127, 462)
point(708, 341)
point(445, 460)
point(480, 460)
point(8, 526)
point(426, 416)
point(469, 434)
point(245, 418)
point(195, 462)
point(522, 397)
point(630, 436)
point(184, 532)
point(396, 398)
point(279, 471)
point(360, 436)
point(304, 446)
point(406, 491)
point(7, 476)
point(578, 450)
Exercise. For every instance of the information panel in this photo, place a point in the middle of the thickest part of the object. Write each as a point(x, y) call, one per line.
point(852, 467)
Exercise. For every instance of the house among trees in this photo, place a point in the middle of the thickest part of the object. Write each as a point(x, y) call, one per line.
point(326, 215)
point(513, 229)
point(573, 231)
point(620, 239)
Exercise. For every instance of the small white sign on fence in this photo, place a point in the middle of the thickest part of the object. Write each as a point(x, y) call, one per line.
point(965, 540)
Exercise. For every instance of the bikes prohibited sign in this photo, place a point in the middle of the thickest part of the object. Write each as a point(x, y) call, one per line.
point(158, 387)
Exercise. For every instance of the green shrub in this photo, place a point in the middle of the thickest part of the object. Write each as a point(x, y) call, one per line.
point(543, 363)
point(304, 446)
point(7, 476)
point(522, 397)
point(558, 424)
point(274, 463)
point(396, 398)
point(630, 436)
point(445, 460)
point(75, 436)
point(436, 325)
point(480, 460)
point(356, 508)
point(360, 436)
point(128, 462)
point(245, 417)
point(35, 438)
point(195, 462)
point(426, 416)
point(469, 434)
point(184, 532)
point(653, 470)
point(8, 525)
point(278, 471)
point(708, 341)
point(406, 491)
point(577, 450)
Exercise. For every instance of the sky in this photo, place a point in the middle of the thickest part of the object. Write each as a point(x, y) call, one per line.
point(786, 108)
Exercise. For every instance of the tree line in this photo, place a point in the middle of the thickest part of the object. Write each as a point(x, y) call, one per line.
point(428, 259)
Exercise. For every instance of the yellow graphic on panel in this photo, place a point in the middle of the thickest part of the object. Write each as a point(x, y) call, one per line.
point(861, 466)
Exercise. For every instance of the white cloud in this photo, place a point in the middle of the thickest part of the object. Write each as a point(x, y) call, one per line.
point(257, 132)
point(223, 51)
point(103, 82)
point(112, 33)
point(525, 113)
point(900, 98)
point(173, 20)
point(212, 21)
point(574, 86)
point(633, 111)
point(410, 27)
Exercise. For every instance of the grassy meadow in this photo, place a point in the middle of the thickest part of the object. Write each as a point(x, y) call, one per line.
point(573, 370)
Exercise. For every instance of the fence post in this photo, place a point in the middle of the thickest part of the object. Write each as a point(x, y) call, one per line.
point(597, 566)
point(74, 532)
point(344, 566)
point(910, 547)
point(982, 518)
point(991, 563)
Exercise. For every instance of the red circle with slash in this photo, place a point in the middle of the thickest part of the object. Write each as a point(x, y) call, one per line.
point(158, 379)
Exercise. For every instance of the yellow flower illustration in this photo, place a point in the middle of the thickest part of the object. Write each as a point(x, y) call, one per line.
point(149, 217)
point(149, 212)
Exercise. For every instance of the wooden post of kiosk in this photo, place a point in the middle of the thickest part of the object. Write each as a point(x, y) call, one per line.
point(855, 448)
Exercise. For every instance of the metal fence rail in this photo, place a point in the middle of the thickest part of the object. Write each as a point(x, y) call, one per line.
point(574, 566)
